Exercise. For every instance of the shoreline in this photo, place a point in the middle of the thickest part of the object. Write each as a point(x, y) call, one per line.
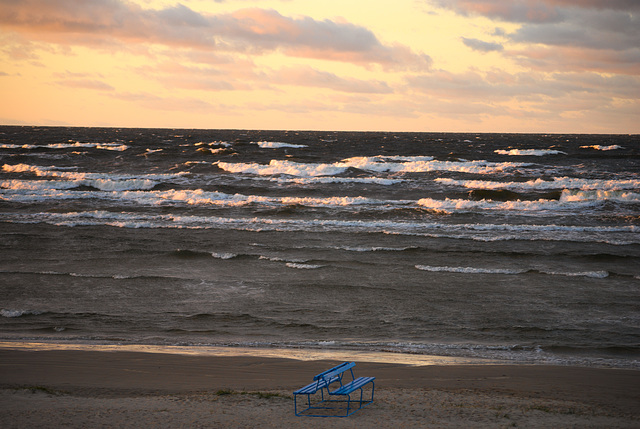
point(129, 388)
point(295, 353)
point(307, 353)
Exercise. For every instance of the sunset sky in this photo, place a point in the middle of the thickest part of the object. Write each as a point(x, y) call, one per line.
point(404, 65)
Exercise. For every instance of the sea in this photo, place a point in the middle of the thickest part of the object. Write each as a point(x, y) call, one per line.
point(517, 248)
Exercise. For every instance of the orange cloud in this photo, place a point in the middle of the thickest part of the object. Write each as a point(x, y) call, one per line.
point(307, 76)
point(118, 23)
point(571, 59)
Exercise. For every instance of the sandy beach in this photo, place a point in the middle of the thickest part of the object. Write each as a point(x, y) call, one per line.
point(71, 388)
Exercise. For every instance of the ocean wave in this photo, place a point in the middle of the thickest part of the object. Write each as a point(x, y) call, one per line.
point(615, 235)
point(469, 270)
point(378, 164)
point(373, 248)
point(13, 313)
point(278, 145)
point(603, 148)
point(476, 270)
point(303, 266)
point(529, 152)
point(223, 144)
point(283, 167)
point(558, 183)
point(119, 147)
point(522, 207)
point(94, 276)
point(333, 179)
point(197, 197)
point(599, 195)
point(591, 274)
point(278, 259)
point(123, 184)
point(101, 181)
point(223, 255)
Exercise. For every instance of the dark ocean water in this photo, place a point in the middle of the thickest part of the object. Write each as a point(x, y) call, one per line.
point(523, 248)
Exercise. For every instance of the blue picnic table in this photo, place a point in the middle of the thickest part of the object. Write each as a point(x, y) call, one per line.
point(338, 401)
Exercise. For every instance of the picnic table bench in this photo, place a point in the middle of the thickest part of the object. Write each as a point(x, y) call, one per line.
point(322, 383)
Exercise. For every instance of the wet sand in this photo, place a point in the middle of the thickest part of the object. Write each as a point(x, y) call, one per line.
point(75, 388)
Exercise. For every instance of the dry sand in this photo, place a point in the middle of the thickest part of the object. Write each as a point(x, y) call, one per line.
point(87, 389)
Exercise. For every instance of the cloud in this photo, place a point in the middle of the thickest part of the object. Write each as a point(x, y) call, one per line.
point(534, 11)
point(604, 34)
point(479, 45)
point(307, 76)
point(500, 87)
point(587, 29)
point(86, 84)
point(115, 24)
point(569, 59)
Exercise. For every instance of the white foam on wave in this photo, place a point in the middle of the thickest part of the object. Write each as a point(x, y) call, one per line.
point(278, 145)
point(420, 164)
point(591, 274)
point(539, 184)
point(223, 144)
point(278, 259)
point(614, 235)
point(469, 270)
point(104, 217)
point(150, 151)
point(69, 179)
point(283, 167)
point(599, 195)
point(529, 152)
point(476, 270)
point(119, 147)
point(378, 164)
point(200, 197)
point(604, 148)
point(9, 313)
point(303, 266)
point(101, 184)
point(522, 207)
point(223, 256)
point(36, 185)
point(327, 180)
point(133, 191)
point(372, 249)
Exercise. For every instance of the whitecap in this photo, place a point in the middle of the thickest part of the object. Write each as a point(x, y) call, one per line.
point(469, 270)
point(223, 255)
point(459, 205)
point(303, 266)
point(599, 195)
point(377, 164)
point(329, 179)
point(8, 313)
point(591, 274)
point(529, 152)
point(540, 184)
point(278, 145)
point(603, 148)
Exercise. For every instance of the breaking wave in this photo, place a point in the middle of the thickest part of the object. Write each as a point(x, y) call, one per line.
point(603, 148)
point(119, 147)
point(539, 184)
point(475, 270)
point(529, 152)
point(278, 145)
point(378, 164)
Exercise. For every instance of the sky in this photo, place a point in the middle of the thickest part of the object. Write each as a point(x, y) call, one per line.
point(542, 66)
